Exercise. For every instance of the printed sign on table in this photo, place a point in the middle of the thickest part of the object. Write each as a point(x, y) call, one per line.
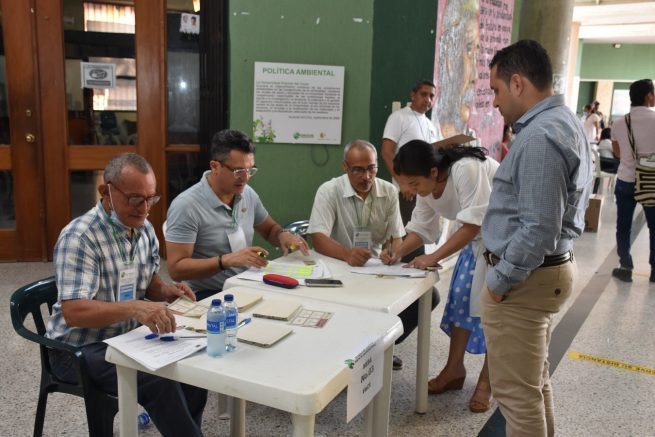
point(367, 369)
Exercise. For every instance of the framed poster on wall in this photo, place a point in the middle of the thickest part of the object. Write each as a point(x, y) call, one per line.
point(297, 103)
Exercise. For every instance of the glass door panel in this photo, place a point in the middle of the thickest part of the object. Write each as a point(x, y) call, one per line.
point(100, 65)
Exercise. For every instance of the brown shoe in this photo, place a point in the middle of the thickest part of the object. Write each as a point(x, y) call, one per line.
point(435, 388)
point(480, 402)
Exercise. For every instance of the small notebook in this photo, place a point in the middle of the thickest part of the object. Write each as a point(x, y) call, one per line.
point(263, 334)
point(276, 309)
point(244, 299)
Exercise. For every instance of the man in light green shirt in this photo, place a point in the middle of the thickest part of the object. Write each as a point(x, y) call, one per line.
point(355, 214)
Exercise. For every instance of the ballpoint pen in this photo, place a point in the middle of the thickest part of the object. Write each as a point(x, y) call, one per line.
point(389, 248)
point(171, 337)
point(244, 322)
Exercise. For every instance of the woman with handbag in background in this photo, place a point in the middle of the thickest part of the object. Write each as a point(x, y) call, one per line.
point(633, 140)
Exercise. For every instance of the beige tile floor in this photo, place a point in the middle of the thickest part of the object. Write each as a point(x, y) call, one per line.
point(591, 399)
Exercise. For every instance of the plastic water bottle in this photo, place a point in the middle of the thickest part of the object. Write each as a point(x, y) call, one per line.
point(143, 420)
point(231, 319)
point(216, 329)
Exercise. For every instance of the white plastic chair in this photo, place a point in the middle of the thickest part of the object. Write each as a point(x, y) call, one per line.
point(600, 175)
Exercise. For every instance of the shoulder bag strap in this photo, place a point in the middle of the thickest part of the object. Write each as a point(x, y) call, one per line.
point(631, 136)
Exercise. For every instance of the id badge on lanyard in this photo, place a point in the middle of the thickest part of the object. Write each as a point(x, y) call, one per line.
point(237, 239)
point(127, 277)
point(362, 237)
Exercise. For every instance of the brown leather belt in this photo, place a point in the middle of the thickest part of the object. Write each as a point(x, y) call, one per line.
point(549, 260)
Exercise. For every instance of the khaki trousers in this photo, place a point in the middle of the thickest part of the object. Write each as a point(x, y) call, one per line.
point(518, 332)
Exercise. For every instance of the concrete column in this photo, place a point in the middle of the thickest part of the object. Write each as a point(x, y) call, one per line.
point(572, 79)
point(549, 22)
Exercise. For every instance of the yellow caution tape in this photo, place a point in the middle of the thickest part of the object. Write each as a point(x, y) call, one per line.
point(612, 363)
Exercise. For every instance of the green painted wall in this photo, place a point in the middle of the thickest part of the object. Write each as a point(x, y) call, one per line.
point(304, 32)
point(403, 52)
point(629, 63)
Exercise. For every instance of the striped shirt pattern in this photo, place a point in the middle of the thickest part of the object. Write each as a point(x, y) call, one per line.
point(87, 264)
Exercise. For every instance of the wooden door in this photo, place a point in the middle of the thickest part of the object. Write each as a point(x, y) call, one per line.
point(91, 136)
point(59, 137)
point(22, 218)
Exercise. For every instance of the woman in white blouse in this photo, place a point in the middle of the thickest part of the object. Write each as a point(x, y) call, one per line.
point(454, 183)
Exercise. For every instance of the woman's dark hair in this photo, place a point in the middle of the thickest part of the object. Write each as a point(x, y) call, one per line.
point(606, 134)
point(417, 158)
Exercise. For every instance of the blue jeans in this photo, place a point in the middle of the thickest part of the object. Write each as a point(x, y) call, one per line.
point(625, 209)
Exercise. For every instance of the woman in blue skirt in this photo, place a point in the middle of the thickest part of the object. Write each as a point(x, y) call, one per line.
point(454, 183)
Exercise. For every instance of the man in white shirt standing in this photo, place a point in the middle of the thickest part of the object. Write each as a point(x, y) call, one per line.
point(592, 125)
point(642, 125)
point(407, 124)
point(356, 214)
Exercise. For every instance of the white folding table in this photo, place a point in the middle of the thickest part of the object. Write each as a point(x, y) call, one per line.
point(301, 374)
point(384, 294)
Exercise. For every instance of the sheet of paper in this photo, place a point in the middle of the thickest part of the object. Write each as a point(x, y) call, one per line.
point(154, 354)
point(186, 307)
point(375, 267)
point(299, 271)
point(455, 139)
point(311, 318)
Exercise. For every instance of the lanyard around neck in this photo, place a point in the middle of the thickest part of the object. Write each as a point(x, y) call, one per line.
point(235, 214)
point(121, 249)
point(370, 211)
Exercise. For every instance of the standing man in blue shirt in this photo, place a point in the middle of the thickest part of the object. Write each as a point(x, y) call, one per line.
point(536, 211)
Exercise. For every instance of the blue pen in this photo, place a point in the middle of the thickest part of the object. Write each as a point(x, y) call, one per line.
point(244, 322)
point(153, 335)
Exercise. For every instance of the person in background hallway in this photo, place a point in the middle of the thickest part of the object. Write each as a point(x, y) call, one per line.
point(536, 211)
point(210, 226)
point(585, 112)
point(600, 114)
point(592, 125)
point(642, 121)
point(106, 264)
point(406, 124)
point(454, 183)
point(608, 162)
point(508, 136)
point(355, 214)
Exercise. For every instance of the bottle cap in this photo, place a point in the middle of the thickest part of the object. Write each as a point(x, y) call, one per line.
point(229, 298)
point(216, 302)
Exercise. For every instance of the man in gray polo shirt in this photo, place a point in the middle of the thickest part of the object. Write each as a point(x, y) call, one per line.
point(210, 226)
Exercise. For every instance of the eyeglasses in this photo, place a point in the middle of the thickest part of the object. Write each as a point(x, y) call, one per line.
point(138, 200)
point(241, 172)
point(359, 171)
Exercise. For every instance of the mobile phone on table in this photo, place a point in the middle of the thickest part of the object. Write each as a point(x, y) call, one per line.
point(323, 283)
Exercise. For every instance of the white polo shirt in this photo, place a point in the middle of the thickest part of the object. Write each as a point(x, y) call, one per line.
point(642, 120)
point(338, 211)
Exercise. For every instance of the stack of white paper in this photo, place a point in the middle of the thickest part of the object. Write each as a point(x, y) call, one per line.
point(154, 354)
